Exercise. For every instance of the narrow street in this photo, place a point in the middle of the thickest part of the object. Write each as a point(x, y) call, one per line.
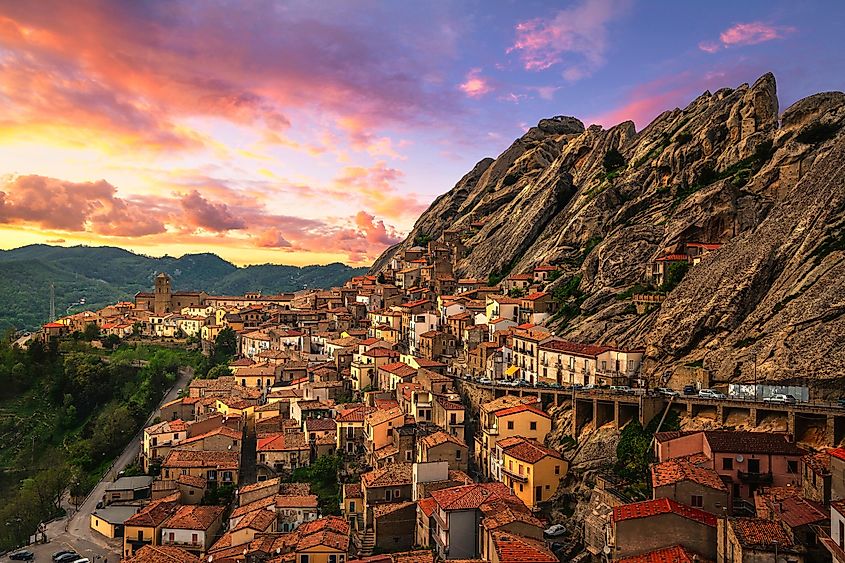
point(74, 531)
point(248, 472)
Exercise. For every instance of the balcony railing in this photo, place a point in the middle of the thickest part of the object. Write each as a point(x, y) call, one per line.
point(755, 478)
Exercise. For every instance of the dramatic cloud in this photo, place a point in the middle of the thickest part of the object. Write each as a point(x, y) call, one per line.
point(94, 208)
point(68, 206)
point(750, 33)
point(575, 38)
point(375, 187)
point(475, 85)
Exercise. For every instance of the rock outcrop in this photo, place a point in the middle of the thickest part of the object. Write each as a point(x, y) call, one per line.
point(726, 169)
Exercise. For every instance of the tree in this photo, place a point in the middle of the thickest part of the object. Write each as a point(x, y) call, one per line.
point(225, 345)
point(381, 279)
point(674, 274)
point(220, 370)
point(91, 332)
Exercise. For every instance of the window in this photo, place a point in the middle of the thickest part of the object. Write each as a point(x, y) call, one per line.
point(697, 501)
point(388, 495)
point(532, 425)
point(332, 558)
point(397, 493)
point(408, 455)
point(754, 466)
point(457, 454)
point(453, 418)
point(510, 425)
point(520, 487)
point(727, 463)
point(352, 506)
point(194, 539)
point(792, 465)
point(557, 469)
point(304, 559)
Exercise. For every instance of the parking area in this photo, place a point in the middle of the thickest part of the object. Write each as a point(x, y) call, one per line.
point(94, 553)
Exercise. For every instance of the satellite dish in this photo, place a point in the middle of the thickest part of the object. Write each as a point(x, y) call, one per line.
point(739, 459)
point(606, 550)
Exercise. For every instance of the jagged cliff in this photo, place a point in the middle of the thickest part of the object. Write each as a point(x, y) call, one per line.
point(728, 168)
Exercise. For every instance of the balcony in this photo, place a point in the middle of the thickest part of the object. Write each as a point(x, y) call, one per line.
point(515, 476)
point(755, 478)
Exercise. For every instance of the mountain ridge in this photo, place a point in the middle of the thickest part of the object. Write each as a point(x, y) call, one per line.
point(603, 204)
point(106, 274)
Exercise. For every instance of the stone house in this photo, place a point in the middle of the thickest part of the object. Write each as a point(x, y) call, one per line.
point(634, 528)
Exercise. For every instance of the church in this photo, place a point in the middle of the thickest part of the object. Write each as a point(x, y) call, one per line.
point(164, 300)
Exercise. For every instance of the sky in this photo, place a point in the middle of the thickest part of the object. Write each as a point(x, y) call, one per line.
point(313, 132)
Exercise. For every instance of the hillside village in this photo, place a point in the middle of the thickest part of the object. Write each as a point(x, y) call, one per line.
point(345, 430)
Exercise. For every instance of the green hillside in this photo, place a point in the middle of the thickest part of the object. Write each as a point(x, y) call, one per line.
point(104, 275)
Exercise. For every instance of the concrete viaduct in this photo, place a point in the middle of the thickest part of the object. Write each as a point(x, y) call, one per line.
point(601, 407)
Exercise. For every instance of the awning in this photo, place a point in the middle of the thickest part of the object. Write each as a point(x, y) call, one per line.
point(511, 370)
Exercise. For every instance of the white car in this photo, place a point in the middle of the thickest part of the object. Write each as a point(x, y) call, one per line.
point(666, 392)
point(784, 399)
point(711, 394)
point(555, 530)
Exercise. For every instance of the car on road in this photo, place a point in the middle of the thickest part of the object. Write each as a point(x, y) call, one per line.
point(589, 387)
point(22, 555)
point(666, 392)
point(65, 552)
point(711, 394)
point(690, 390)
point(68, 557)
point(781, 398)
point(485, 381)
point(555, 530)
point(621, 389)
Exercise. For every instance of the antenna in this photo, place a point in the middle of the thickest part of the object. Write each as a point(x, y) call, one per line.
point(52, 302)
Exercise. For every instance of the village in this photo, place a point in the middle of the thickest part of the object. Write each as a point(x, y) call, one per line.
point(342, 432)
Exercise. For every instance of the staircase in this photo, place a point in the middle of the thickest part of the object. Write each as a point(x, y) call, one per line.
point(368, 543)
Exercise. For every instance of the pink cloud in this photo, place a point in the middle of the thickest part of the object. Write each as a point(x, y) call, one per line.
point(94, 210)
point(575, 38)
point(475, 85)
point(375, 188)
point(750, 33)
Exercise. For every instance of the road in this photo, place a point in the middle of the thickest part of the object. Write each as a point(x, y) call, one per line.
point(74, 532)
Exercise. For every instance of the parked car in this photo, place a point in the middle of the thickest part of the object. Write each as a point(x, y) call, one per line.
point(485, 381)
point(555, 530)
point(589, 387)
point(65, 552)
point(711, 394)
point(690, 390)
point(621, 389)
point(666, 392)
point(784, 399)
point(68, 557)
point(22, 555)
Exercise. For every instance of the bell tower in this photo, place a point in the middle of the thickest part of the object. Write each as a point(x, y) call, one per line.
point(162, 294)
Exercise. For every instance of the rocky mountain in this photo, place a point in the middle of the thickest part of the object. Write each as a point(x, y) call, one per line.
point(604, 203)
point(104, 275)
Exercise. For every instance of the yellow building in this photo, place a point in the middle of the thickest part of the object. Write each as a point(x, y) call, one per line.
point(379, 427)
point(364, 368)
point(109, 520)
point(531, 470)
point(209, 332)
point(506, 417)
point(144, 528)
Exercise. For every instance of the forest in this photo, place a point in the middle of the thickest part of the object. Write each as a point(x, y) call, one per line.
point(66, 411)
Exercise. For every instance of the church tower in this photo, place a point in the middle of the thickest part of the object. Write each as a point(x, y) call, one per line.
point(162, 294)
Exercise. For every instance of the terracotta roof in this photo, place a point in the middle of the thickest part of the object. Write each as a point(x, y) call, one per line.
point(381, 416)
point(266, 503)
point(648, 508)
point(210, 459)
point(194, 517)
point(504, 300)
point(224, 431)
point(258, 520)
point(439, 438)
point(152, 515)
point(674, 554)
point(162, 554)
point(470, 496)
point(672, 258)
point(449, 405)
point(192, 481)
point(394, 474)
point(399, 369)
point(426, 363)
point(511, 548)
point(502, 512)
point(267, 483)
point(676, 470)
point(797, 511)
point(385, 508)
point(282, 441)
point(352, 490)
point(379, 352)
point(574, 348)
point(320, 424)
point(354, 414)
point(529, 451)
point(838, 453)
point(521, 408)
point(737, 441)
point(759, 533)
point(242, 362)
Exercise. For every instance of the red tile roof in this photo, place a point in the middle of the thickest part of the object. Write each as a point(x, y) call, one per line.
point(574, 348)
point(674, 554)
point(529, 451)
point(650, 508)
point(676, 470)
point(521, 408)
point(760, 533)
point(194, 517)
point(818, 462)
point(282, 441)
point(797, 511)
point(467, 497)
point(511, 548)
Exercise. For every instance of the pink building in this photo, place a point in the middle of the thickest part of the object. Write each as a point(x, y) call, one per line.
point(744, 460)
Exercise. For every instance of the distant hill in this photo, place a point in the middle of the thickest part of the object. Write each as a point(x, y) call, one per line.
point(104, 275)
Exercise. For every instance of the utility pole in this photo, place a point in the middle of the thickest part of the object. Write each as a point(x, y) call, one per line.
point(52, 302)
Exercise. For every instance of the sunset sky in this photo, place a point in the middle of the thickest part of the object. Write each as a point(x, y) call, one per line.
point(311, 132)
